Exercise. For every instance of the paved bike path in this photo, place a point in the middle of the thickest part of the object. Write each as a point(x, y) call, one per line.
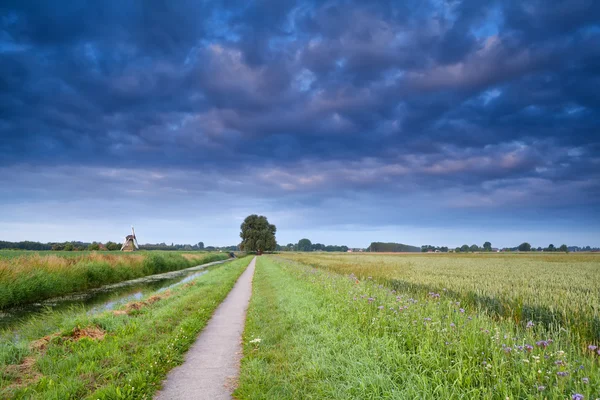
point(212, 364)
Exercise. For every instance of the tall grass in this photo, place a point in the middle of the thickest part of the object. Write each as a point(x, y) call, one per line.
point(136, 351)
point(556, 289)
point(34, 277)
point(314, 334)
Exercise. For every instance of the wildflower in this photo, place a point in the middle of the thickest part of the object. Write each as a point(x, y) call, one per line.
point(541, 388)
point(558, 362)
point(592, 347)
point(452, 325)
point(507, 350)
point(257, 340)
point(370, 299)
point(380, 307)
point(562, 373)
point(528, 347)
point(462, 310)
point(560, 353)
point(577, 396)
point(585, 380)
point(427, 319)
point(542, 343)
point(529, 324)
point(526, 361)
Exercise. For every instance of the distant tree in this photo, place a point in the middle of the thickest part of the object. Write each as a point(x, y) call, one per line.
point(200, 245)
point(457, 250)
point(539, 249)
point(444, 249)
point(257, 234)
point(304, 245)
point(524, 247)
point(112, 246)
point(563, 248)
point(464, 248)
point(487, 246)
point(551, 248)
point(58, 247)
point(68, 247)
point(94, 246)
point(474, 248)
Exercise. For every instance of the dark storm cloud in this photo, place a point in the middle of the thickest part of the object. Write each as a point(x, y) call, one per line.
point(325, 97)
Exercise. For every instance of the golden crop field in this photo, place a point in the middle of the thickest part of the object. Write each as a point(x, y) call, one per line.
point(561, 290)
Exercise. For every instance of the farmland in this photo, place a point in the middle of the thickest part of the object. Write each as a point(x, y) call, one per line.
point(371, 326)
point(26, 277)
point(560, 290)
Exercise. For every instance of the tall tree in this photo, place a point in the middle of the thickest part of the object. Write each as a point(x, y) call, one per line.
point(487, 246)
point(524, 247)
point(563, 248)
point(474, 248)
point(257, 234)
point(304, 245)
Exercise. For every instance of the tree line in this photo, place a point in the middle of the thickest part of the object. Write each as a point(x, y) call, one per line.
point(108, 246)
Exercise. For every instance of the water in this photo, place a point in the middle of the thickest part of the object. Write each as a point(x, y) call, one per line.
point(106, 297)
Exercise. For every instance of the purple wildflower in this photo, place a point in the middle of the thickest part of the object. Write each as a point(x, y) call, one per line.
point(592, 347)
point(507, 350)
point(462, 310)
point(380, 307)
point(585, 380)
point(541, 388)
point(542, 343)
point(599, 352)
point(370, 299)
point(562, 373)
point(529, 324)
point(427, 319)
point(558, 362)
point(577, 396)
point(452, 325)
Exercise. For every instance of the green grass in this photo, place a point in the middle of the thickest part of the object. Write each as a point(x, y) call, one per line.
point(550, 289)
point(321, 337)
point(130, 361)
point(41, 275)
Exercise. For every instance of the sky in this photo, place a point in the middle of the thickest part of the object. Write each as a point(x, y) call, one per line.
point(438, 122)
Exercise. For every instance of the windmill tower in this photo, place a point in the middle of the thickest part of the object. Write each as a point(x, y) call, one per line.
point(130, 243)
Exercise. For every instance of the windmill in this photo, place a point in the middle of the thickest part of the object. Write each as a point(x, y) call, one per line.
point(130, 243)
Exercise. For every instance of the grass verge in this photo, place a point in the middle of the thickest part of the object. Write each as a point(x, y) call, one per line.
point(32, 278)
point(313, 334)
point(123, 354)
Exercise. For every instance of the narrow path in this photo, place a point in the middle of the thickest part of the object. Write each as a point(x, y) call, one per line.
point(211, 365)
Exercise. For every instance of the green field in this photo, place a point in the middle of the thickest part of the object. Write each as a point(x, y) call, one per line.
point(560, 290)
point(332, 332)
point(29, 276)
point(122, 354)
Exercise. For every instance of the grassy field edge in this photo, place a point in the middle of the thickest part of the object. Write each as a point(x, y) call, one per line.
point(124, 354)
point(314, 334)
point(27, 279)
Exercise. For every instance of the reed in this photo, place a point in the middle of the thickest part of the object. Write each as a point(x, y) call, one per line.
point(35, 277)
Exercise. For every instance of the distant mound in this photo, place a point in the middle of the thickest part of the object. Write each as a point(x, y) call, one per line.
point(380, 247)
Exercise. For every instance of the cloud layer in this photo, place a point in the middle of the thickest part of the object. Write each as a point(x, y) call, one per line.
point(377, 115)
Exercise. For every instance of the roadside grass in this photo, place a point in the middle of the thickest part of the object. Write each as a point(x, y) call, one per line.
point(314, 334)
point(34, 277)
point(550, 289)
point(122, 354)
